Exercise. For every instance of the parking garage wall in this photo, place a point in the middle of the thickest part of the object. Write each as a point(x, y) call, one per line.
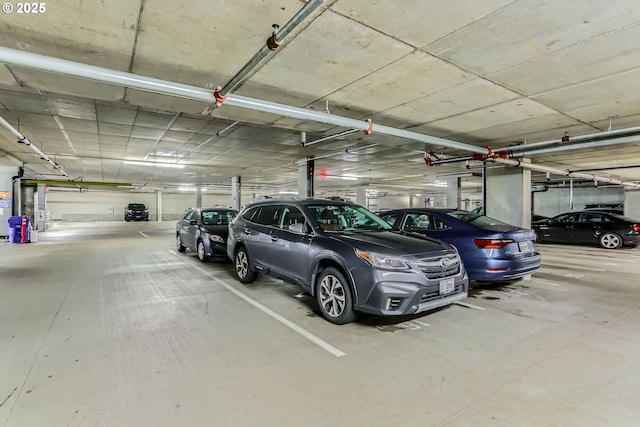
point(95, 205)
point(556, 200)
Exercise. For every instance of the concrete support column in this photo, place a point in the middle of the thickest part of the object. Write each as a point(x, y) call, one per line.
point(361, 196)
point(158, 205)
point(40, 207)
point(198, 196)
point(508, 195)
point(305, 178)
point(454, 193)
point(236, 190)
point(632, 203)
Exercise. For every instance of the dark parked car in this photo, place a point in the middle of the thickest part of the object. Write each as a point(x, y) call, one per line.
point(137, 211)
point(345, 256)
point(610, 231)
point(490, 249)
point(205, 231)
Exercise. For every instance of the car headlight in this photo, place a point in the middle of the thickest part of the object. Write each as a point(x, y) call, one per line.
point(214, 238)
point(383, 261)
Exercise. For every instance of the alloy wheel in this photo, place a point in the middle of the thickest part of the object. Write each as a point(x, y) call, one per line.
point(610, 241)
point(242, 264)
point(332, 296)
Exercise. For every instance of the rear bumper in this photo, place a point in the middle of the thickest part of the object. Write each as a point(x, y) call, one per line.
point(505, 269)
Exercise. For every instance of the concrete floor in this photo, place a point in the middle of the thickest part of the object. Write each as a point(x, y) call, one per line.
point(107, 325)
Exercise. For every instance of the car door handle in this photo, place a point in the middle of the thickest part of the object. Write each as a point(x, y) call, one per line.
point(273, 238)
point(247, 231)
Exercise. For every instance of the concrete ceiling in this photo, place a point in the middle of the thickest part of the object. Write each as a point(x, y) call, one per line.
point(494, 73)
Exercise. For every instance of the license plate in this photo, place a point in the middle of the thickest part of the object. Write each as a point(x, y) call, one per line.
point(523, 246)
point(447, 286)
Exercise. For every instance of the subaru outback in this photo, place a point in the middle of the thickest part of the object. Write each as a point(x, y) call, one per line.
point(349, 259)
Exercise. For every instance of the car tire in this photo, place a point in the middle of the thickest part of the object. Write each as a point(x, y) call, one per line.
point(536, 237)
point(243, 267)
point(179, 245)
point(202, 255)
point(333, 294)
point(610, 241)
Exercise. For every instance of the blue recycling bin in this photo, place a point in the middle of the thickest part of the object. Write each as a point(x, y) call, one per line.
point(15, 229)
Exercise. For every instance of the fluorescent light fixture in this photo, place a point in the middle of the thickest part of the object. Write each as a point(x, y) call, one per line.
point(163, 165)
point(287, 192)
point(344, 177)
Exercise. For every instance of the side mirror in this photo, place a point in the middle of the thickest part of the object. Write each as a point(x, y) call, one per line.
point(296, 228)
point(193, 222)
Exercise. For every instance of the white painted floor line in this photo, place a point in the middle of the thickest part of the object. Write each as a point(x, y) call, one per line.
point(143, 234)
point(545, 282)
point(547, 264)
point(464, 304)
point(300, 295)
point(308, 335)
point(172, 252)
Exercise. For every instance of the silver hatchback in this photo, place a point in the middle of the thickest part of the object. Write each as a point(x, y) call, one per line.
point(349, 259)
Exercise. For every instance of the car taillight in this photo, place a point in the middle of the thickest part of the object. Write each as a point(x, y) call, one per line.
point(635, 227)
point(492, 243)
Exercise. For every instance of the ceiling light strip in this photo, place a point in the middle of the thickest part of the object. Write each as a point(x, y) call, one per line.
point(160, 164)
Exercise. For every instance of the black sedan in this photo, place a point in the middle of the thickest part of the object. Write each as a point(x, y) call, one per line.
point(610, 231)
point(205, 231)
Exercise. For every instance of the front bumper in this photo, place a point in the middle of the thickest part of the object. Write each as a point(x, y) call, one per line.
point(216, 249)
point(395, 293)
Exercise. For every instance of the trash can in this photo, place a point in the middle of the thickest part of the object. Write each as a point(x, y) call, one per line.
point(15, 229)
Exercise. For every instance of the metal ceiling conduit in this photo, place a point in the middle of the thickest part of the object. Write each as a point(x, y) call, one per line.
point(273, 43)
point(589, 136)
point(590, 144)
point(555, 171)
point(24, 140)
point(149, 84)
point(526, 151)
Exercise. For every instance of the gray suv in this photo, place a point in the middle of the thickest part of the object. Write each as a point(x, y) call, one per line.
point(345, 256)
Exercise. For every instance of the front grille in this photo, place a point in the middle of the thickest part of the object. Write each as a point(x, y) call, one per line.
point(435, 294)
point(440, 267)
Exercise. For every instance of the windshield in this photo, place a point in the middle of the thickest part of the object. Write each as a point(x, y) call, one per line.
point(337, 217)
point(223, 217)
point(138, 206)
point(479, 221)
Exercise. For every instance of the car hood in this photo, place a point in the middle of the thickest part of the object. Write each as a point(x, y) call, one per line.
point(392, 242)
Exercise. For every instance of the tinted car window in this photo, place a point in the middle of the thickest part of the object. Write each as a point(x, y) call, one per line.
point(250, 213)
point(268, 215)
point(217, 217)
point(136, 206)
point(390, 218)
point(571, 217)
point(190, 215)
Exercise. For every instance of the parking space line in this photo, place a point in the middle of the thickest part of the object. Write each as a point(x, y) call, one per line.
point(464, 304)
point(545, 282)
point(143, 234)
point(308, 335)
point(547, 264)
point(298, 329)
